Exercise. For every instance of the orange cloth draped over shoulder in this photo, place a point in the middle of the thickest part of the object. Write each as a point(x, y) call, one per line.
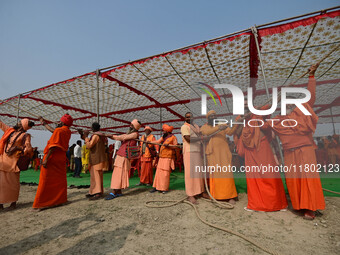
point(165, 163)
point(52, 188)
point(9, 171)
point(265, 190)
point(222, 184)
point(304, 188)
point(146, 173)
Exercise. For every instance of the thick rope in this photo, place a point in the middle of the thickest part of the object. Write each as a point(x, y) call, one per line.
point(225, 205)
point(331, 191)
point(183, 200)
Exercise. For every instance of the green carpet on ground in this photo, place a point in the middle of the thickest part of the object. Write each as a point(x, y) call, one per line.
point(176, 181)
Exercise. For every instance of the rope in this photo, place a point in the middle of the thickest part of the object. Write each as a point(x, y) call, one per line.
point(331, 191)
point(183, 200)
point(160, 144)
point(297, 79)
point(225, 205)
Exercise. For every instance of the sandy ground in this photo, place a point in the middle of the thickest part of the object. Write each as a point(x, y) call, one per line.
point(125, 226)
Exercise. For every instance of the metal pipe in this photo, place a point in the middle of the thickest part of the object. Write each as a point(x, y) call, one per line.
point(211, 40)
point(97, 75)
point(332, 120)
point(160, 118)
point(254, 31)
point(18, 110)
point(225, 36)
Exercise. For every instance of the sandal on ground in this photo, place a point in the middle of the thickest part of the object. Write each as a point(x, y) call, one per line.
point(153, 190)
point(112, 196)
point(248, 210)
point(89, 195)
point(309, 215)
point(95, 197)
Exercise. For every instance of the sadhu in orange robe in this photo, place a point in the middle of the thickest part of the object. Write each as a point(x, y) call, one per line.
point(166, 161)
point(192, 157)
point(304, 187)
point(265, 190)
point(98, 161)
point(337, 146)
point(330, 146)
point(52, 188)
point(222, 184)
point(122, 164)
point(9, 171)
point(146, 173)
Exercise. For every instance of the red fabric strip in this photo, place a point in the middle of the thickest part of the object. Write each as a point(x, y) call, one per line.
point(105, 75)
point(291, 25)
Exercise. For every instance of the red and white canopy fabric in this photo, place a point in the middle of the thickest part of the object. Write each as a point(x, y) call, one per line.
point(164, 87)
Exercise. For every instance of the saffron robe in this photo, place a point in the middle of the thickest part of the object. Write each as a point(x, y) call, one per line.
point(192, 157)
point(9, 171)
point(165, 163)
point(304, 187)
point(146, 173)
point(122, 165)
point(222, 184)
point(52, 188)
point(96, 145)
point(265, 190)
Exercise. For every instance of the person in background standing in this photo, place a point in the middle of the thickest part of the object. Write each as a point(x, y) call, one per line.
point(85, 157)
point(77, 160)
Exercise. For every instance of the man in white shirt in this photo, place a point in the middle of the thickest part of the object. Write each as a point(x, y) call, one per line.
point(77, 159)
point(117, 146)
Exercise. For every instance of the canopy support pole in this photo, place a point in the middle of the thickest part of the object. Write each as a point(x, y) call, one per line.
point(19, 97)
point(254, 31)
point(160, 120)
point(332, 120)
point(97, 76)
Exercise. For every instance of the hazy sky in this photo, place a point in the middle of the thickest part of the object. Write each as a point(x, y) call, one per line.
point(43, 42)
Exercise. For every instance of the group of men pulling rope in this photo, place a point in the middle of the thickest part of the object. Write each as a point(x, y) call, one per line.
point(265, 190)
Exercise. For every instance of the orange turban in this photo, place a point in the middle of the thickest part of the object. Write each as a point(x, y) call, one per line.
point(24, 123)
point(136, 124)
point(210, 113)
point(67, 120)
point(147, 127)
point(167, 128)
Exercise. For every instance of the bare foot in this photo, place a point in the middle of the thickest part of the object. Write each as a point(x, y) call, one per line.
point(192, 200)
point(13, 206)
point(232, 201)
point(205, 195)
point(309, 215)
